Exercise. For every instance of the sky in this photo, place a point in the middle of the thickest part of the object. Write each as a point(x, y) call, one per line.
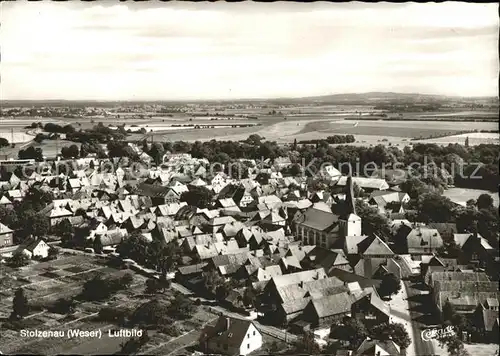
point(177, 51)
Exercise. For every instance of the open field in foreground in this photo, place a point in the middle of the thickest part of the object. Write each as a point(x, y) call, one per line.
point(46, 282)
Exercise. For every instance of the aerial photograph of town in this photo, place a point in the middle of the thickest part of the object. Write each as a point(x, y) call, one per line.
point(183, 178)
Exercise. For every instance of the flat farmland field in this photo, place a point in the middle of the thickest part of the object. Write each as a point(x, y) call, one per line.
point(46, 282)
point(409, 129)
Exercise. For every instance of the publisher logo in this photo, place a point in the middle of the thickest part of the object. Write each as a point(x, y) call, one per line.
point(435, 333)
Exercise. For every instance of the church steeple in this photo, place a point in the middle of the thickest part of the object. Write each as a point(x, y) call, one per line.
point(349, 197)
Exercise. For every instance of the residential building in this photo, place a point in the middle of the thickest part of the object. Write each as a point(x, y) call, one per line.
point(231, 336)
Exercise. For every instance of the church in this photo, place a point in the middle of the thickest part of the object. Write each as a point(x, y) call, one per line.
point(319, 225)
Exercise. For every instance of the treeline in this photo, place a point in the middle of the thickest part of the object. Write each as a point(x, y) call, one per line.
point(408, 107)
point(99, 133)
point(335, 139)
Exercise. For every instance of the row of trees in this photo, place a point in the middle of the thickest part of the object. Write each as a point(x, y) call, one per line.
point(156, 254)
point(335, 139)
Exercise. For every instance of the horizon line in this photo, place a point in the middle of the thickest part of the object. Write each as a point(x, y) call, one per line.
point(319, 97)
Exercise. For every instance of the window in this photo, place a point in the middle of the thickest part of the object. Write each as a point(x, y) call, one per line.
point(248, 336)
point(248, 346)
point(254, 333)
point(225, 346)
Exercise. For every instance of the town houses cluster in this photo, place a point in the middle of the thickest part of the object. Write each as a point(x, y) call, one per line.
point(296, 253)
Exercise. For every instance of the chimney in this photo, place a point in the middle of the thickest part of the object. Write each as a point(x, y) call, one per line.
point(228, 323)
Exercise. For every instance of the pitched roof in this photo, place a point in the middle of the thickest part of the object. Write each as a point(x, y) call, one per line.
point(5, 229)
point(371, 347)
point(377, 247)
point(349, 277)
point(423, 238)
point(339, 303)
point(366, 183)
point(295, 278)
point(228, 331)
point(490, 317)
point(318, 219)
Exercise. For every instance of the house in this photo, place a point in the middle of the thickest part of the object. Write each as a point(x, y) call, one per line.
point(329, 172)
point(393, 177)
point(465, 293)
point(34, 247)
point(387, 200)
point(367, 247)
point(58, 214)
point(321, 257)
point(4, 201)
point(6, 236)
point(371, 309)
point(326, 310)
point(367, 184)
point(487, 322)
point(423, 241)
point(371, 347)
point(231, 336)
point(281, 162)
point(475, 249)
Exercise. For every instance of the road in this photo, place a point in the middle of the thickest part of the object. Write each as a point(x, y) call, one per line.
point(420, 305)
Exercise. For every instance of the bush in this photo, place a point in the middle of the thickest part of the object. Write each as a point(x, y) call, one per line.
point(170, 330)
point(18, 260)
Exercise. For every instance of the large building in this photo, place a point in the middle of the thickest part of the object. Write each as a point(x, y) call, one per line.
point(318, 225)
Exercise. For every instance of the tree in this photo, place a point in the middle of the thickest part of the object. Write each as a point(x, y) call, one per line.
point(484, 201)
point(53, 252)
point(249, 296)
point(351, 330)
point(8, 217)
point(81, 211)
point(391, 331)
point(4, 142)
point(63, 306)
point(197, 196)
point(126, 280)
point(390, 285)
point(20, 306)
point(450, 249)
point(414, 187)
point(97, 245)
point(222, 291)
point(254, 139)
point(433, 207)
point(157, 151)
point(448, 311)
point(70, 151)
point(152, 286)
point(64, 228)
point(372, 223)
point(306, 343)
point(18, 260)
point(181, 307)
point(211, 280)
point(31, 153)
point(454, 346)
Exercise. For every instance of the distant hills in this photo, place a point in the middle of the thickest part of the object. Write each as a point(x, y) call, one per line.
point(346, 99)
